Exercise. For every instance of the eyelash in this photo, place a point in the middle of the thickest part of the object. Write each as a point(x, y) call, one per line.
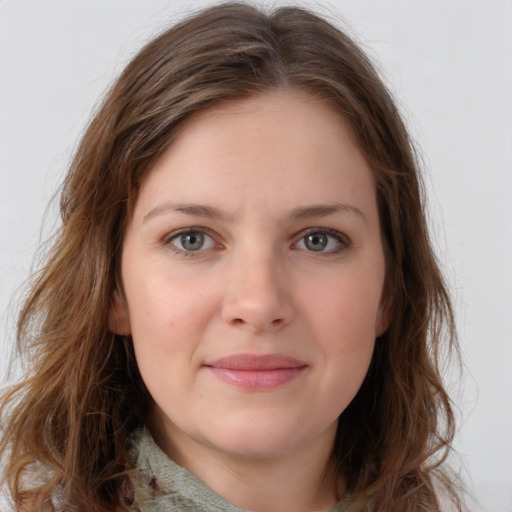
point(168, 241)
point(343, 241)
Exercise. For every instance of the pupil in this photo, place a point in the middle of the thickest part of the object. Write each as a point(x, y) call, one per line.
point(316, 242)
point(192, 241)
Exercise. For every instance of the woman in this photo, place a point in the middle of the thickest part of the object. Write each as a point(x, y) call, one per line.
point(242, 309)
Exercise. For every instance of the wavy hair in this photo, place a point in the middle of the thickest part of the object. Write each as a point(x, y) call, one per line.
point(67, 422)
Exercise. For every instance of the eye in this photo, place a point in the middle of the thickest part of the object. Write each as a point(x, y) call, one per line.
point(328, 240)
point(192, 240)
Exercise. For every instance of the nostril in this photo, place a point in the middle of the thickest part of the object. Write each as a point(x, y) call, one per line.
point(240, 322)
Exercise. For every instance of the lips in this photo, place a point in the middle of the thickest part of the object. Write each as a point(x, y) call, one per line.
point(256, 372)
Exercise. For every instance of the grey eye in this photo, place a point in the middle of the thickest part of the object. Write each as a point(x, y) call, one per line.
point(191, 241)
point(329, 241)
point(316, 241)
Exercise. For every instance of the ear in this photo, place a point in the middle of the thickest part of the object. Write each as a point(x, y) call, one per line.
point(118, 317)
point(384, 316)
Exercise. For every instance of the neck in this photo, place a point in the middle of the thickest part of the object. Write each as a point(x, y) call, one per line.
point(301, 480)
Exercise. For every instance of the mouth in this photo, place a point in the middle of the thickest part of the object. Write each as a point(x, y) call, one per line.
point(256, 372)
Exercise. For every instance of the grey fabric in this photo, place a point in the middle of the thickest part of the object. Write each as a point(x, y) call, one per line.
point(161, 485)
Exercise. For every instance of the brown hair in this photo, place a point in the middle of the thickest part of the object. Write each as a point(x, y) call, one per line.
point(70, 418)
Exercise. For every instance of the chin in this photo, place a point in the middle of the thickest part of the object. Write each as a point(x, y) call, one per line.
point(258, 439)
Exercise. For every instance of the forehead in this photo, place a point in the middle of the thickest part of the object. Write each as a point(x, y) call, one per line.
point(283, 106)
point(282, 146)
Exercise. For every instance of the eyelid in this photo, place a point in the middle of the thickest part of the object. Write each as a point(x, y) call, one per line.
point(343, 240)
point(173, 235)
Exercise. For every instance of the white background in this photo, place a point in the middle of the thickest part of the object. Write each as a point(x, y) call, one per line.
point(449, 62)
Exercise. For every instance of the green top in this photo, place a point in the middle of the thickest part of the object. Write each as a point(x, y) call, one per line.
point(160, 485)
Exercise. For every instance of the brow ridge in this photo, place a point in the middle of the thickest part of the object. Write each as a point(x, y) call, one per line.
point(323, 210)
point(299, 213)
point(197, 210)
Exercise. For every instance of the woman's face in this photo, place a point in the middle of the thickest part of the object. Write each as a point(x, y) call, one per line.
point(253, 271)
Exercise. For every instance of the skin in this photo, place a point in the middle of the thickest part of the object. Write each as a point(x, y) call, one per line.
point(263, 164)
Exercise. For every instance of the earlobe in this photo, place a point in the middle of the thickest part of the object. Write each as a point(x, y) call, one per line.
point(118, 317)
point(383, 320)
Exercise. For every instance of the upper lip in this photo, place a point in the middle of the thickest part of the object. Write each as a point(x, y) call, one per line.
point(254, 362)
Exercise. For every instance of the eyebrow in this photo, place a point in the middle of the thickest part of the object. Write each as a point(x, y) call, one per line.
point(323, 210)
point(196, 210)
point(299, 213)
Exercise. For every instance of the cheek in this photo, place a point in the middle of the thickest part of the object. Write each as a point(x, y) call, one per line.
point(167, 328)
point(343, 315)
point(348, 345)
point(348, 305)
point(167, 315)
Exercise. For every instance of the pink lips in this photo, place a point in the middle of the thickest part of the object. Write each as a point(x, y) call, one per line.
point(255, 372)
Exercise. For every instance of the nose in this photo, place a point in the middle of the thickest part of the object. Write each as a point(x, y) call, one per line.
point(258, 295)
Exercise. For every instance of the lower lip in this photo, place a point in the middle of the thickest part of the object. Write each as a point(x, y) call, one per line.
point(255, 380)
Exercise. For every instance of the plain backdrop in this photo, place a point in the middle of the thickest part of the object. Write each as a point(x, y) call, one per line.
point(449, 63)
